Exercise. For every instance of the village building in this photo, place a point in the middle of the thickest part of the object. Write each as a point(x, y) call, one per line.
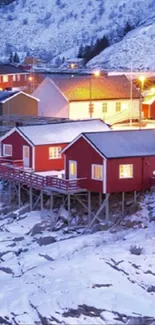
point(148, 106)
point(12, 77)
point(18, 103)
point(38, 147)
point(105, 97)
point(112, 162)
point(74, 63)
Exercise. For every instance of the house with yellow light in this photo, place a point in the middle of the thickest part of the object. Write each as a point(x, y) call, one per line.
point(90, 96)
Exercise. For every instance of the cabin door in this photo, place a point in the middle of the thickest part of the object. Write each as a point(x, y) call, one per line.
point(72, 169)
point(26, 156)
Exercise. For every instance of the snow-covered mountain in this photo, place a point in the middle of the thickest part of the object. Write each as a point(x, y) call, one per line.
point(58, 27)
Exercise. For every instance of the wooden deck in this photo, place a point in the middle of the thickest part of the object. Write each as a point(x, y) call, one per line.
point(14, 172)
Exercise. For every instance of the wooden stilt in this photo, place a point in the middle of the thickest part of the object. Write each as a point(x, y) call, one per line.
point(37, 200)
point(31, 198)
point(135, 197)
point(19, 195)
point(42, 200)
point(89, 207)
point(10, 193)
point(107, 208)
point(123, 203)
point(100, 199)
point(51, 201)
point(69, 209)
point(103, 205)
point(84, 205)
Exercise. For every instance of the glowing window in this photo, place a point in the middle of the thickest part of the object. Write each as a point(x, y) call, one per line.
point(125, 171)
point(118, 107)
point(5, 78)
point(104, 107)
point(54, 152)
point(97, 172)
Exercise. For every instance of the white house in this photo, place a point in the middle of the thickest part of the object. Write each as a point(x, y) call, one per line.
point(82, 97)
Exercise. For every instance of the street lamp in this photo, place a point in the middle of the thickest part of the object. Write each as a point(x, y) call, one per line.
point(30, 78)
point(142, 82)
point(96, 73)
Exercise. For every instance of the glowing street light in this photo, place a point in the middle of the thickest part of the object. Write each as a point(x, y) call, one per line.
point(97, 73)
point(142, 81)
point(30, 78)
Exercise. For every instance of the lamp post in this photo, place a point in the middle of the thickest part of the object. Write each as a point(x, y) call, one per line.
point(142, 81)
point(30, 79)
point(91, 105)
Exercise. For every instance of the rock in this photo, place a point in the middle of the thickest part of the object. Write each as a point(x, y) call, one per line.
point(44, 241)
point(150, 207)
point(6, 270)
point(129, 203)
point(47, 257)
point(12, 245)
point(63, 214)
point(37, 229)
point(136, 250)
point(152, 215)
point(16, 239)
point(151, 288)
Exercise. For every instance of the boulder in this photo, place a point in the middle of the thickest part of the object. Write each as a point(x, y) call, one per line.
point(44, 241)
point(136, 250)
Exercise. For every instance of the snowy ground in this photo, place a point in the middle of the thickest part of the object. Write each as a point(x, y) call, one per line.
point(77, 279)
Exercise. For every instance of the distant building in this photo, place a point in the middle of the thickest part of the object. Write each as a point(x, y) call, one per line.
point(30, 61)
point(76, 63)
point(18, 103)
point(82, 97)
point(12, 77)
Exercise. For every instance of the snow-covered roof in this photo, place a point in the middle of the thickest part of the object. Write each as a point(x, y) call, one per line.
point(148, 100)
point(129, 143)
point(60, 132)
point(79, 88)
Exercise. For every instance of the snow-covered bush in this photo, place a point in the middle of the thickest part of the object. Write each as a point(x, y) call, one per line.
point(25, 21)
point(136, 250)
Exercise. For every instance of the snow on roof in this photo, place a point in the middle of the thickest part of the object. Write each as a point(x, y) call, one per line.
point(61, 132)
point(105, 87)
point(129, 143)
point(149, 99)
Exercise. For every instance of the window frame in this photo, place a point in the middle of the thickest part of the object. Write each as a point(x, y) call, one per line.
point(4, 147)
point(14, 77)
point(106, 104)
point(125, 165)
point(5, 76)
point(91, 107)
point(92, 172)
point(58, 148)
point(118, 111)
point(18, 77)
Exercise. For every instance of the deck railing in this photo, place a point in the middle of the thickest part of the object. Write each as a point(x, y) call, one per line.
point(65, 184)
point(12, 173)
point(15, 163)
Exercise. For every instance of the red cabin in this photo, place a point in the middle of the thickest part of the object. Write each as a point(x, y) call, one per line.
point(148, 107)
point(110, 162)
point(12, 77)
point(40, 146)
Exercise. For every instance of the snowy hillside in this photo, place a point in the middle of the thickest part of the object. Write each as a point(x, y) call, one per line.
point(61, 278)
point(59, 27)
